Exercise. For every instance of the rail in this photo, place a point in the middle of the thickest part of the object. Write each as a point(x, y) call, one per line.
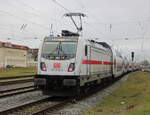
point(16, 91)
point(52, 108)
point(15, 108)
point(16, 79)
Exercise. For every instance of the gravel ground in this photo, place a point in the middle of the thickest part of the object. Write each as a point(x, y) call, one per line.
point(13, 101)
point(8, 87)
point(79, 107)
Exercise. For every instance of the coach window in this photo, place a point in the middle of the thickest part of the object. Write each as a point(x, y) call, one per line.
point(115, 63)
point(86, 50)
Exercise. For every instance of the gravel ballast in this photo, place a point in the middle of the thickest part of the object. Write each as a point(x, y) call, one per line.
point(79, 107)
point(18, 100)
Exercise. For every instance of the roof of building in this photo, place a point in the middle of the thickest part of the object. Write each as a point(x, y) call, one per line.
point(10, 45)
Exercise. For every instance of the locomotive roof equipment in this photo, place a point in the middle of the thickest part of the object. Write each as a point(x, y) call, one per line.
point(80, 15)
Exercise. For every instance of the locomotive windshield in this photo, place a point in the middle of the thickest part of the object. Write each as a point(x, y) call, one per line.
point(58, 50)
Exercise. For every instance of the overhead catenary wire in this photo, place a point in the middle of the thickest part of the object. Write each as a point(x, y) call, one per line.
point(16, 36)
point(70, 11)
point(24, 4)
point(61, 6)
point(17, 31)
point(144, 32)
point(18, 17)
point(84, 9)
point(93, 17)
point(133, 21)
point(80, 3)
point(94, 29)
point(82, 6)
point(36, 14)
point(9, 35)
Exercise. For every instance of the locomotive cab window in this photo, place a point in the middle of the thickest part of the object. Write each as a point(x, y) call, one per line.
point(59, 50)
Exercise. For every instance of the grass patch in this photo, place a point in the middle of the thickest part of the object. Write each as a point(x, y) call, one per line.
point(132, 98)
point(17, 71)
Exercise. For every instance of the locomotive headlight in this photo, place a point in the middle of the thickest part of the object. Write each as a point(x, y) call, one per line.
point(43, 66)
point(71, 67)
point(52, 57)
point(62, 57)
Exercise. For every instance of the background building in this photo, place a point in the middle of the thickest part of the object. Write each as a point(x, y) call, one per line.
point(17, 55)
point(32, 57)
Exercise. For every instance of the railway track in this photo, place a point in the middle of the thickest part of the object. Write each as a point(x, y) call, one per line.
point(55, 108)
point(51, 108)
point(24, 105)
point(55, 104)
point(7, 81)
point(16, 91)
point(16, 79)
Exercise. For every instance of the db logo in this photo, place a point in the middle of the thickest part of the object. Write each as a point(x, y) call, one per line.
point(57, 65)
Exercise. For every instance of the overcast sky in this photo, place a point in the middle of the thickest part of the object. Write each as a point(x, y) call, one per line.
point(25, 20)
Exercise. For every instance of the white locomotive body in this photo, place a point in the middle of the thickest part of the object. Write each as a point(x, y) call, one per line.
point(68, 63)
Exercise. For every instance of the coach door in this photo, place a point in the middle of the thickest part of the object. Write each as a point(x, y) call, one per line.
point(88, 55)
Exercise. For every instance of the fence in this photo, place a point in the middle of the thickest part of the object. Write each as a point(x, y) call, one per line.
point(31, 64)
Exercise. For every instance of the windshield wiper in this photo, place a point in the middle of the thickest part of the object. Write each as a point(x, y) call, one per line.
point(60, 49)
point(55, 51)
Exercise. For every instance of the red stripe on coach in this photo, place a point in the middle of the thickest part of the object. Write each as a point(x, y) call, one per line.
point(91, 62)
point(107, 63)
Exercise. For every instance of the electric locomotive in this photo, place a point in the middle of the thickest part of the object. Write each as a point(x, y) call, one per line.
point(68, 63)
